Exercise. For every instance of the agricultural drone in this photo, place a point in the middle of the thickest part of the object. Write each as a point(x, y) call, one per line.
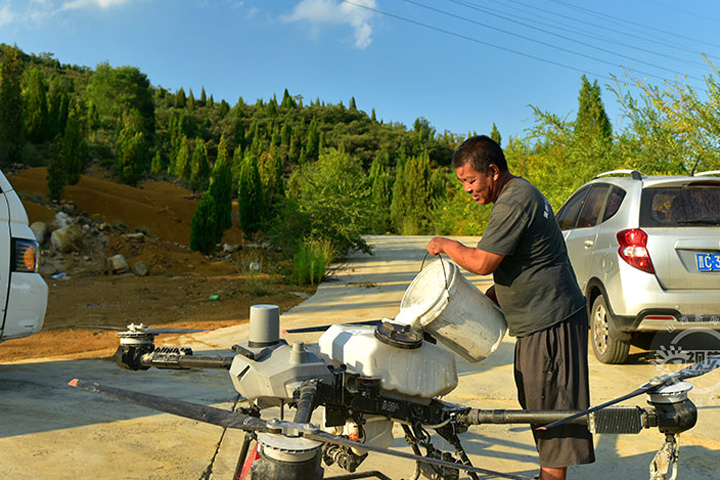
point(367, 378)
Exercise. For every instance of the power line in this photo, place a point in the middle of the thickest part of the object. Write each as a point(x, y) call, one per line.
point(625, 33)
point(507, 32)
point(471, 39)
point(616, 19)
point(572, 29)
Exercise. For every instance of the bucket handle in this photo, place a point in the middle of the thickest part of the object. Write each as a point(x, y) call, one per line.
point(422, 265)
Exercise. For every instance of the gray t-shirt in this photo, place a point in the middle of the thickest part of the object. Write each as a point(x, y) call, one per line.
point(535, 283)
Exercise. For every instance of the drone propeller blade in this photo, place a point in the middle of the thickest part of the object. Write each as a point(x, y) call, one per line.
point(238, 420)
point(101, 327)
point(150, 331)
point(166, 331)
point(193, 411)
point(322, 328)
point(700, 368)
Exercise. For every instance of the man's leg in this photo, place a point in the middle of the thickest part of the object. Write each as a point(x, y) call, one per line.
point(552, 473)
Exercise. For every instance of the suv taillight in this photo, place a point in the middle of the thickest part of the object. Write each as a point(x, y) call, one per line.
point(633, 249)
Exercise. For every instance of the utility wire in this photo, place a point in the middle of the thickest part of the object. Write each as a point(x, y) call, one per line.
point(600, 14)
point(572, 29)
point(471, 39)
point(507, 32)
point(627, 33)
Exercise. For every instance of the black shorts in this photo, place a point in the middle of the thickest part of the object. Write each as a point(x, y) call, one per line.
point(551, 373)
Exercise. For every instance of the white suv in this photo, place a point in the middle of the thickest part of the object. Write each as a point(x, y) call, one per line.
point(23, 292)
point(646, 252)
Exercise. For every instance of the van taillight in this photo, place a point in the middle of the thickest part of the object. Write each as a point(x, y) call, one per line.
point(25, 255)
point(633, 249)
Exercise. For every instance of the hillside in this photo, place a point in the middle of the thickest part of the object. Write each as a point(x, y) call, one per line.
point(181, 289)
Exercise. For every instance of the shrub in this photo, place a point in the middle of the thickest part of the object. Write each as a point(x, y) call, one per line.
point(310, 259)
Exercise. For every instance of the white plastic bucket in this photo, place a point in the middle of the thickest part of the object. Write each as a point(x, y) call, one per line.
point(451, 309)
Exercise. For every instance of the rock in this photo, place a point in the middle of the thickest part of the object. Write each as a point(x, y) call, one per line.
point(134, 237)
point(48, 270)
point(141, 269)
point(67, 239)
point(117, 264)
point(61, 220)
point(40, 230)
point(231, 247)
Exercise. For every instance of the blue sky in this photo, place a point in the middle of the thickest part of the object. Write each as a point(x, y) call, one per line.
point(461, 64)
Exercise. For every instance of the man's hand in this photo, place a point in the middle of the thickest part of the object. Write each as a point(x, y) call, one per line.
point(471, 259)
point(436, 246)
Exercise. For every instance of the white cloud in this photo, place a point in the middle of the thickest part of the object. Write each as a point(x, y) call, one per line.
point(74, 4)
point(317, 12)
point(6, 15)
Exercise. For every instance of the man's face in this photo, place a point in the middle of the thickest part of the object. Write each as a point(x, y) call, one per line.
point(480, 186)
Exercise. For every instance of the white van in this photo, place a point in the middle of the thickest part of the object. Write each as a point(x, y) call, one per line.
point(23, 292)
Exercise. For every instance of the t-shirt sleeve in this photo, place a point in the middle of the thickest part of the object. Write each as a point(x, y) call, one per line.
point(505, 229)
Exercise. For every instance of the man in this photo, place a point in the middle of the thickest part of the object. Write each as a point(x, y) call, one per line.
point(536, 288)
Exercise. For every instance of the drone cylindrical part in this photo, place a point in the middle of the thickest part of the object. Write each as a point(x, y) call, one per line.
point(264, 326)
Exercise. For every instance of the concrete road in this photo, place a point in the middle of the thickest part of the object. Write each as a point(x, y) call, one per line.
point(49, 430)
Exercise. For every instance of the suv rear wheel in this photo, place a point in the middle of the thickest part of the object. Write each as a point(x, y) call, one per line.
point(607, 349)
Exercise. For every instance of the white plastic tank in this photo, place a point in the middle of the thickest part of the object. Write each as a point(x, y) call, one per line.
point(443, 302)
point(426, 370)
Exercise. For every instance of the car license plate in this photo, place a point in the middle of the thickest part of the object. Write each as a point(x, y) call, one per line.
point(708, 262)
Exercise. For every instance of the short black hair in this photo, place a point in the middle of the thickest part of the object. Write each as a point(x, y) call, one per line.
point(480, 152)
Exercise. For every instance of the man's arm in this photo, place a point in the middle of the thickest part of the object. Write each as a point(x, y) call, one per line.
point(471, 259)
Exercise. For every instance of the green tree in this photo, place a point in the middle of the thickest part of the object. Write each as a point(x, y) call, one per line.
point(592, 120)
point(381, 192)
point(117, 92)
point(221, 187)
point(495, 134)
point(200, 170)
point(334, 192)
point(251, 200)
point(312, 144)
point(11, 105)
point(183, 167)
point(412, 196)
point(74, 147)
point(156, 166)
point(131, 155)
point(203, 227)
point(36, 107)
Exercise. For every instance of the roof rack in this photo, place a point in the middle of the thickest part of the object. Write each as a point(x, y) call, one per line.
point(709, 172)
point(633, 173)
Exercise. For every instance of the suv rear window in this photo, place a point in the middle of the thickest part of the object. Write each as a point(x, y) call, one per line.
point(697, 204)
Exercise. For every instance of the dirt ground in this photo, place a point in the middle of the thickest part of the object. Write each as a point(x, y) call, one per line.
point(184, 288)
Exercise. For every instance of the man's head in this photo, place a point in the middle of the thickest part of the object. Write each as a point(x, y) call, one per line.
point(480, 152)
point(481, 167)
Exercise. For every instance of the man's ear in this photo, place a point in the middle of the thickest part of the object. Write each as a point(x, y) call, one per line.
point(493, 171)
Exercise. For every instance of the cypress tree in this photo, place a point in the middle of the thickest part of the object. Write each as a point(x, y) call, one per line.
point(495, 135)
point(203, 226)
point(11, 105)
point(221, 188)
point(157, 167)
point(74, 148)
point(180, 99)
point(312, 144)
point(592, 120)
point(182, 163)
point(36, 107)
point(200, 170)
point(250, 196)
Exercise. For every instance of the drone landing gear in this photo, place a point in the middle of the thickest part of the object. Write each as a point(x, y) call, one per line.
point(418, 437)
point(665, 458)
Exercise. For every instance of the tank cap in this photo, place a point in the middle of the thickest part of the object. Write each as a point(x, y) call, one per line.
point(399, 335)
